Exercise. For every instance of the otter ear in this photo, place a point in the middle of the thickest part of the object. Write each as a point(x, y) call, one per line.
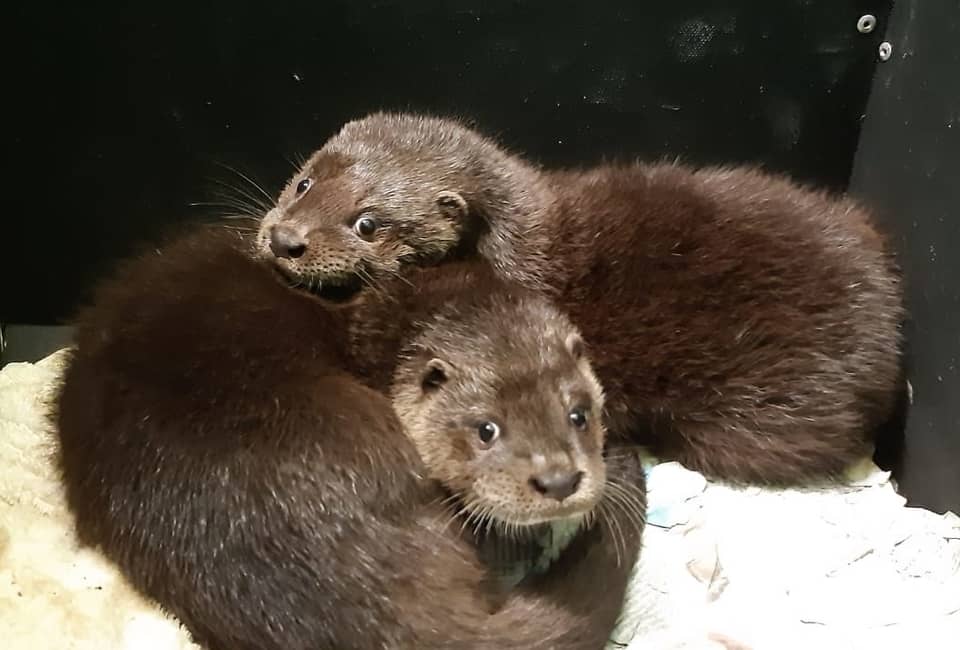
point(435, 374)
point(575, 346)
point(452, 204)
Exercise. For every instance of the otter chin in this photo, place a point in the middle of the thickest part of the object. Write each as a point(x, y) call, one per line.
point(341, 287)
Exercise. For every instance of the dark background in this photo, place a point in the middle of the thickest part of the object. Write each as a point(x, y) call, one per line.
point(125, 110)
point(125, 115)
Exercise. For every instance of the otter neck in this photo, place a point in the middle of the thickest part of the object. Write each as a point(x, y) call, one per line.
point(514, 201)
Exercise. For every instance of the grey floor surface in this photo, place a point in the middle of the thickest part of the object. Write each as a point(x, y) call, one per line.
point(32, 342)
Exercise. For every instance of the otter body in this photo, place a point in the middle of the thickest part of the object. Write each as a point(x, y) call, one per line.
point(739, 323)
point(215, 444)
point(744, 326)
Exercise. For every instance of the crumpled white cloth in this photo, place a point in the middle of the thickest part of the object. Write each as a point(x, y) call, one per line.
point(830, 567)
point(835, 567)
point(54, 595)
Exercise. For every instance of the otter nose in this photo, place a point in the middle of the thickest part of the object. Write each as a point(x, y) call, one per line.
point(286, 242)
point(556, 484)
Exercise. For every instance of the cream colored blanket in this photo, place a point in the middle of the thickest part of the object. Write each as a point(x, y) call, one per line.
point(842, 567)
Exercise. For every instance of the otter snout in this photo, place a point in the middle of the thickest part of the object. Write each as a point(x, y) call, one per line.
point(556, 484)
point(286, 242)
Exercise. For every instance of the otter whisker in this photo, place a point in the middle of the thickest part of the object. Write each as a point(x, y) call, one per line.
point(443, 501)
point(619, 541)
point(502, 528)
point(615, 488)
point(476, 518)
point(292, 161)
point(491, 520)
point(296, 283)
point(637, 493)
point(398, 276)
point(457, 513)
point(240, 217)
point(450, 511)
point(241, 194)
point(603, 516)
point(513, 529)
point(237, 229)
point(453, 503)
point(629, 507)
point(450, 516)
point(628, 500)
point(231, 223)
point(239, 201)
point(249, 180)
point(614, 518)
point(244, 229)
point(633, 497)
point(634, 516)
point(486, 520)
point(589, 519)
point(629, 527)
point(621, 454)
point(237, 215)
point(472, 514)
point(234, 206)
point(369, 281)
point(239, 221)
point(451, 498)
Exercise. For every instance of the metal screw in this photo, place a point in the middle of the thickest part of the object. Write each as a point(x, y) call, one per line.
point(885, 50)
point(866, 23)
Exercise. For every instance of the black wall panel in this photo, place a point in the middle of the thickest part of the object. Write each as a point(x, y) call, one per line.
point(123, 111)
point(908, 166)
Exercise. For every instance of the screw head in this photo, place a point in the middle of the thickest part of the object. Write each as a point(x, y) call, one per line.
point(885, 50)
point(867, 23)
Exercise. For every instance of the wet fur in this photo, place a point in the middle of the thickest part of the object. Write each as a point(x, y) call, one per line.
point(739, 322)
point(213, 444)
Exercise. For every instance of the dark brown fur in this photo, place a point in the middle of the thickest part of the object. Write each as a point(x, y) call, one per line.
point(214, 446)
point(740, 323)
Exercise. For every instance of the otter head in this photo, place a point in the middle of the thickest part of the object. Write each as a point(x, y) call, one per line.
point(505, 411)
point(385, 191)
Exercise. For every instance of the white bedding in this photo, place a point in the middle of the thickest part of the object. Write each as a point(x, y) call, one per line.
point(841, 567)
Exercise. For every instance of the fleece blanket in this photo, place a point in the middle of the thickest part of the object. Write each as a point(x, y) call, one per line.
point(842, 566)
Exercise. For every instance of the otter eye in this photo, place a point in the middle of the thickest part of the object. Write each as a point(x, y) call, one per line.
point(365, 226)
point(578, 417)
point(489, 431)
point(303, 186)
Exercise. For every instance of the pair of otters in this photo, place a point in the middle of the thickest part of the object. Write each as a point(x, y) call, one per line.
point(305, 447)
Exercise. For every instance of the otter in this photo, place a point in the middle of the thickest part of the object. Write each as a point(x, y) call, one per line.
point(741, 323)
point(215, 443)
